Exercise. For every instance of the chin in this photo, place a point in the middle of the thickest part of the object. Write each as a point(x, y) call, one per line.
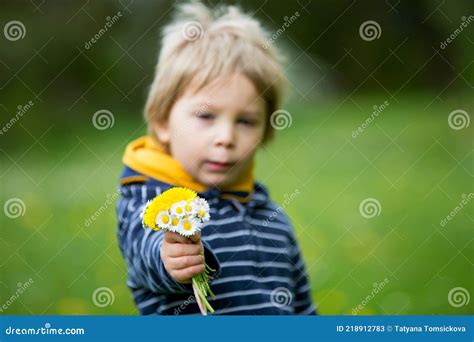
point(219, 181)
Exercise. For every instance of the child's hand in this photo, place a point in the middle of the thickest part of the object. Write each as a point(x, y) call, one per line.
point(183, 257)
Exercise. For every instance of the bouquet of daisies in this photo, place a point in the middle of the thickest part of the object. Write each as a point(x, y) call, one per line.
point(180, 210)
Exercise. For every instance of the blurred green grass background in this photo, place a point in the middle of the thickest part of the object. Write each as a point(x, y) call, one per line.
point(408, 158)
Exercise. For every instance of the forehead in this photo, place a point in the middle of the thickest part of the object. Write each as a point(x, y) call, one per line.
point(233, 93)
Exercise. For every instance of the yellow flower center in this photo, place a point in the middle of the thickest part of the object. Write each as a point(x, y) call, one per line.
point(187, 225)
point(189, 208)
point(174, 221)
point(165, 219)
point(202, 213)
point(179, 210)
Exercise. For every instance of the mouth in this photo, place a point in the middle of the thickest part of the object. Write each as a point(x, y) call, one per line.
point(217, 166)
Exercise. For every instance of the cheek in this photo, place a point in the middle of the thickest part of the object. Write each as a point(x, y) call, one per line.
point(251, 141)
point(191, 131)
point(186, 143)
point(177, 129)
point(181, 135)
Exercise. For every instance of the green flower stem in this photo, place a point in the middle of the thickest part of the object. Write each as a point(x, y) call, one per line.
point(201, 282)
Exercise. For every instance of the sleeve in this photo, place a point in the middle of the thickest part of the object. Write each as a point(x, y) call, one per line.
point(302, 301)
point(141, 250)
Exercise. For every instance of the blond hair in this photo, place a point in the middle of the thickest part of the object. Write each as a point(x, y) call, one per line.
point(201, 44)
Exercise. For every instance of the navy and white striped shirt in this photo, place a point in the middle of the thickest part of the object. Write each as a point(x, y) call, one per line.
point(259, 269)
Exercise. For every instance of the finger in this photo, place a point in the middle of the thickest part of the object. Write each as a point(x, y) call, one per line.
point(186, 274)
point(180, 249)
point(173, 237)
point(196, 238)
point(183, 262)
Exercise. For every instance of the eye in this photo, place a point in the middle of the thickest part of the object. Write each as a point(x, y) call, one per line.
point(205, 116)
point(247, 122)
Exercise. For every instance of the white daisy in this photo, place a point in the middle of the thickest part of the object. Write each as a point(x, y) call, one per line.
point(189, 226)
point(191, 208)
point(174, 223)
point(178, 209)
point(202, 209)
point(163, 219)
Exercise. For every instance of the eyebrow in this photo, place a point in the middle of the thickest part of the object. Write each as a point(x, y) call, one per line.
point(203, 106)
point(255, 113)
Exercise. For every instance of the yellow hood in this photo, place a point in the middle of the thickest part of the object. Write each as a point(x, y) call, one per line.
point(148, 158)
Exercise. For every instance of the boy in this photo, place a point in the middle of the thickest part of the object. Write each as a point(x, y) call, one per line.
point(208, 110)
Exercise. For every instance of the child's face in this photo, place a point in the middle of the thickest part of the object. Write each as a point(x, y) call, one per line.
point(215, 132)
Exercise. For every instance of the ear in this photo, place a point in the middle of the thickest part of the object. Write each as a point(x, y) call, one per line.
point(161, 130)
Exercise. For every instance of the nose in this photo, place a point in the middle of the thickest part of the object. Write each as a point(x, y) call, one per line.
point(225, 135)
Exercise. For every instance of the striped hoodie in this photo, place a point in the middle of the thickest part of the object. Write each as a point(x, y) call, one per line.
point(249, 242)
